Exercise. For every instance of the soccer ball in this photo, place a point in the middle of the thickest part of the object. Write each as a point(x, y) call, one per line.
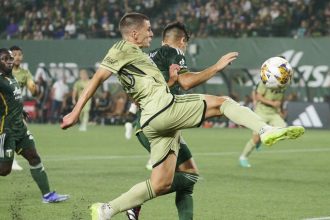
point(276, 72)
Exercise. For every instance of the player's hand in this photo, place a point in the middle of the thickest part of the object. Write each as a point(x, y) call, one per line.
point(226, 60)
point(173, 72)
point(69, 120)
point(277, 104)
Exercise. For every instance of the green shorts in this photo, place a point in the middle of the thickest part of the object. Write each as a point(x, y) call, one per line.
point(163, 131)
point(15, 144)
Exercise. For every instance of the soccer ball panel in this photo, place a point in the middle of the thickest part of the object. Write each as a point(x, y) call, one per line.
point(276, 72)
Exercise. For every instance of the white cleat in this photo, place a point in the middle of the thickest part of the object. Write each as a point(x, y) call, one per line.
point(128, 130)
point(100, 211)
point(16, 166)
point(149, 165)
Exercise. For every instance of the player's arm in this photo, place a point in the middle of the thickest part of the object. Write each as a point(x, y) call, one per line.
point(99, 77)
point(259, 97)
point(32, 87)
point(191, 79)
point(74, 94)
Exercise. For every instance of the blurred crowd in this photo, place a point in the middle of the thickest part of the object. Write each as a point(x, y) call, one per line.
point(82, 19)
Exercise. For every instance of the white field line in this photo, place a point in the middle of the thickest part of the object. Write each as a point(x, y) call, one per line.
point(318, 218)
point(210, 154)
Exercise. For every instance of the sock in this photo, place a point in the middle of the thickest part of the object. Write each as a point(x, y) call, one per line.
point(182, 181)
point(40, 177)
point(242, 115)
point(249, 147)
point(137, 195)
point(184, 204)
point(183, 185)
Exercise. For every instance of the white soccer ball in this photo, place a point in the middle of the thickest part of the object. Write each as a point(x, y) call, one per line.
point(276, 72)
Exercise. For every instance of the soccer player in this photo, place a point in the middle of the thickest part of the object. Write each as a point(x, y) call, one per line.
point(268, 105)
point(78, 87)
point(163, 114)
point(25, 79)
point(175, 40)
point(14, 136)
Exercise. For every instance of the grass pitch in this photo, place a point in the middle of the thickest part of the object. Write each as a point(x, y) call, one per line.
point(287, 181)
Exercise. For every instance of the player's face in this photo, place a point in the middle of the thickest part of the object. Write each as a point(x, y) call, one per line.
point(6, 62)
point(144, 35)
point(18, 57)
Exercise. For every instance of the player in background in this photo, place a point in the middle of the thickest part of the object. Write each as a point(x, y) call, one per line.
point(268, 104)
point(163, 114)
point(25, 80)
point(174, 44)
point(78, 87)
point(14, 135)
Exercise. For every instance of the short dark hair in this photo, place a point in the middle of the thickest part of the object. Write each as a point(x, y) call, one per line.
point(4, 50)
point(15, 47)
point(178, 29)
point(130, 20)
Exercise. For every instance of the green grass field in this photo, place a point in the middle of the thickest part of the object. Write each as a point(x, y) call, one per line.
point(290, 180)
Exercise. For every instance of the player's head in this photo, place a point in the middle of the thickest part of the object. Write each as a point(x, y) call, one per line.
point(136, 28)
point(6, 61)
point(18, 55)
point(83, 74)
point(176, 33)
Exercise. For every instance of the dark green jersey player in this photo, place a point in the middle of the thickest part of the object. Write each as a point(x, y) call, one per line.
point(14, 136)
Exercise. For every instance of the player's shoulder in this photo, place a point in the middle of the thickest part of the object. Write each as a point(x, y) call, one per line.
point(171, 50)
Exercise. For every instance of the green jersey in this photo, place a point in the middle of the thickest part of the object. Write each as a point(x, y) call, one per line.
point(11, 106)
point(164, 57)
point(139, 77)
point(22, 76)
point(270, 94)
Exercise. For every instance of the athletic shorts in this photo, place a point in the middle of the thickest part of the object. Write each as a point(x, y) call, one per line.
point(15, 144)
point(184, 152)
point(163, 131)
point(273, 119)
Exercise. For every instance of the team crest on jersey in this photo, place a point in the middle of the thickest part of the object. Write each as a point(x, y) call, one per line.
point(111, 61)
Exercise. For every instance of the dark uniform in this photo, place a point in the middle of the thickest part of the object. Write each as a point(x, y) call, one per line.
point(163, 57)
point(14, 133)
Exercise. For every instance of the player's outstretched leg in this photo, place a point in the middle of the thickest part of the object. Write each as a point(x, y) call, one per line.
point(271, 135)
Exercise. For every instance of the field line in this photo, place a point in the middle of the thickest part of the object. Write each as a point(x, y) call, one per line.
point(213, 154)
point(318, 218)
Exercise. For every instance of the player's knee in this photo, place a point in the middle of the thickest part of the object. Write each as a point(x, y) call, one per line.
point(162, 187)
point(5, 170)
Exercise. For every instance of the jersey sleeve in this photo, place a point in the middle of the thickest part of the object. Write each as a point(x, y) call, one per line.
point(115, 60)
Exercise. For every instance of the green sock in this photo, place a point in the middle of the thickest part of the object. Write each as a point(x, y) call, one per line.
point(184, 204)
point(241, 115)
point(183, 185)
point(249, 147)
point(40, 177)
point(137, 195)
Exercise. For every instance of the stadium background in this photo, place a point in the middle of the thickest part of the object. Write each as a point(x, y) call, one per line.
point(286, 182)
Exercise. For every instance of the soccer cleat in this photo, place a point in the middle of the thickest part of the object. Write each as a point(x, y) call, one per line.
point(149, 165)
point(53, 197)
point(100, 211)
point(133, 214)
point(244, 163)
point(271, 135)
point(128, 130)
point(16, 166)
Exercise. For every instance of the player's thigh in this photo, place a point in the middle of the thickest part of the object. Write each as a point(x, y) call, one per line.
point(187, 111)
point(7, 147)
point(26, 147)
